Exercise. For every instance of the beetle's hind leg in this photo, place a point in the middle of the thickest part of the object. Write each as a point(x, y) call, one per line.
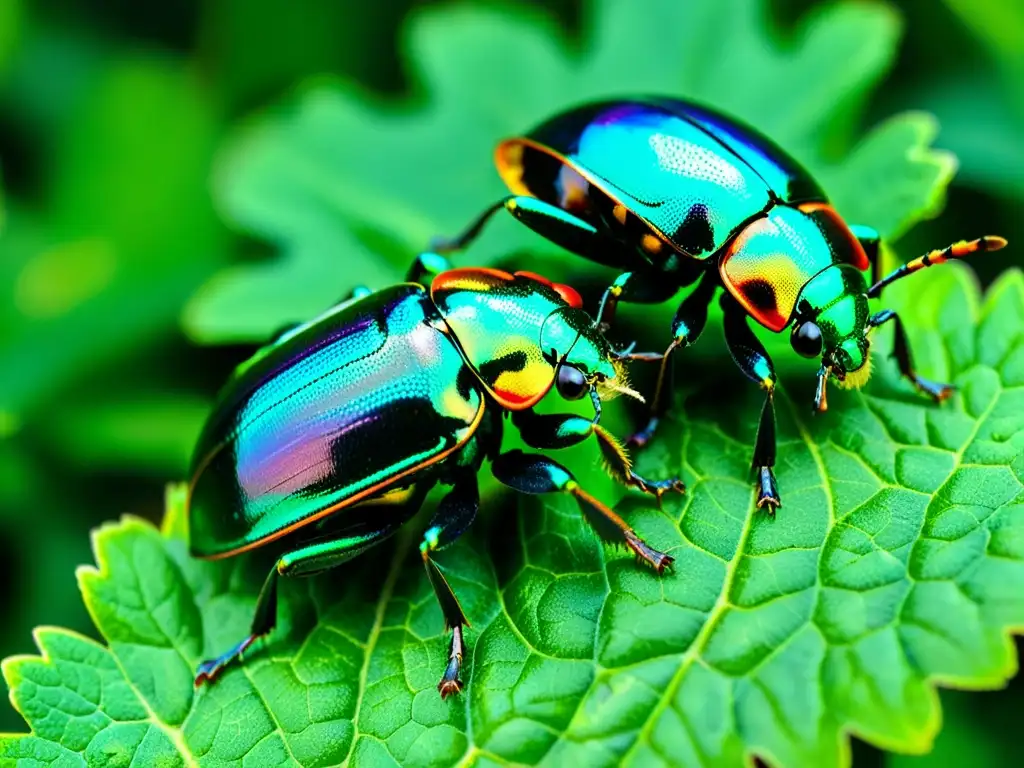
point(454, 515)
point(316, 556)
point(535, 474)
point(752, 358)
point(263, 621)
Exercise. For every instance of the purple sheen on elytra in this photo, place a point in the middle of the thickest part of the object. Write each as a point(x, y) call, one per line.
point(317, 421)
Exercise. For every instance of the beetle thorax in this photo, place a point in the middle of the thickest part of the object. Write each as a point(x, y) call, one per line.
point(770, 261)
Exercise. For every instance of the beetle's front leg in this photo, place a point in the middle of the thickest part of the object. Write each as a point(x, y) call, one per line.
point(901, 351)
point(752, 358)
point(687, 326)
point(552, 431)
point(637, 287)
point(535, 474)
point(454, 514)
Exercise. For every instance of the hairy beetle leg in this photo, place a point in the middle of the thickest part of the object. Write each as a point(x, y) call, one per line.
point(647, 554)
point(562, 431)
point(535, 474)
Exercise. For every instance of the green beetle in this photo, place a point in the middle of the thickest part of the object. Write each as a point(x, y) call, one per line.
point(672, 193)
point(329, 439)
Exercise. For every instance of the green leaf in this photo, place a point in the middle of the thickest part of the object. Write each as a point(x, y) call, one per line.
point(982, 114)
point(896, 564)
point(124, 238)
point(348, 187)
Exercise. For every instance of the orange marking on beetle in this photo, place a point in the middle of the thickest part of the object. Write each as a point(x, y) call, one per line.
point(569, 295)
point(464, 278)
point(815, 206)
point(859, 255)
point(651, 244)
point(351, 500)
point(619, 212)
point(508, 158)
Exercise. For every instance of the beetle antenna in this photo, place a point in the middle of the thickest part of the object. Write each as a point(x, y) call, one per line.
point(957, 250)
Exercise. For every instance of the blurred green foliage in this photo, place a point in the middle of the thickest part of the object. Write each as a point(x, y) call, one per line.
point(112, 117)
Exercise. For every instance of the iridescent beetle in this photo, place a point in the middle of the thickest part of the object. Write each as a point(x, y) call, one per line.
point(674, 194)
point(327, 440)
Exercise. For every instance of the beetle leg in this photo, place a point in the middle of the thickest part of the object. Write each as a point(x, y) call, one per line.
point(553, 431)
point(470, 233)
point(263, 621)
point(426, 267)
point(752, 358)
point(570, 232)
point(454, 515)
point(535, 474)
point(636, 287)
point(550, 222)
point(901, 351)
point(687, 326)
point(318, 556)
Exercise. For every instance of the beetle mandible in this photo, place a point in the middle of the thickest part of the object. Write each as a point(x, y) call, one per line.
point(329, 438)
point(673, 193)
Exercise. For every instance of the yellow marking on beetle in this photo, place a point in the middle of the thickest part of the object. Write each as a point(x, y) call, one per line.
point(619, 212)
point(508, 157)
point(957, 250)
point(857, 379)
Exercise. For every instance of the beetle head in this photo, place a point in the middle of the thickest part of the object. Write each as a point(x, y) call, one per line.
point(831, 320)
point(582, 356)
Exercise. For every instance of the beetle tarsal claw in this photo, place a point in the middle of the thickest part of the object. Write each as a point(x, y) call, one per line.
point(450, 683)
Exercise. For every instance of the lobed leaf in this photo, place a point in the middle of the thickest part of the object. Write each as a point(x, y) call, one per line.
point(896, 564)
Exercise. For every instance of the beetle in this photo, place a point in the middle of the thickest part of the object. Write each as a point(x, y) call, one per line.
point(329, 438)
point(672, 193)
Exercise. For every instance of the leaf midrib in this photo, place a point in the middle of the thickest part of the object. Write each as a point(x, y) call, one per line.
point(401, 549)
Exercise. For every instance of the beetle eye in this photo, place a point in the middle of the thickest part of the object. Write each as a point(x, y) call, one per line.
point(571, 383)
point(806, 339)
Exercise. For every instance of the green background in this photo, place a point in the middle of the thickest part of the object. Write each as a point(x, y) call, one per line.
point(112, 115)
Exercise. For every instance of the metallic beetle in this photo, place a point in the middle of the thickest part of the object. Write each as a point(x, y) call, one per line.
point(327, 440)
point(673, 194)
